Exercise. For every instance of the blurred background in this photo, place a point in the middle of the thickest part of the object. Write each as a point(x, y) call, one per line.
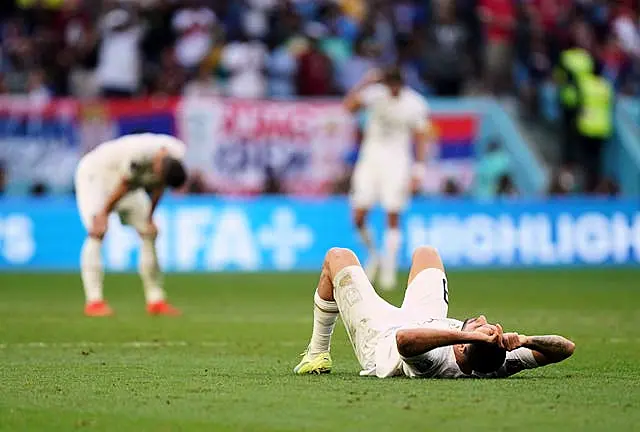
point(535, 104)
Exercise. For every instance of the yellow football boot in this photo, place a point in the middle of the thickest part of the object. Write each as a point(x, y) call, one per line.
point(318, 364)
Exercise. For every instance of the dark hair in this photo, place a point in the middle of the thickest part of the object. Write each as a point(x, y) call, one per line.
point(393, 75)
point(173, 172)
point(485, 358)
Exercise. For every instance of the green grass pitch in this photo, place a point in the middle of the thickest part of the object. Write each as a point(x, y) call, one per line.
point(226, 364)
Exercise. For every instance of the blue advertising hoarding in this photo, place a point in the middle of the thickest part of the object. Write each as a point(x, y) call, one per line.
point(283, 234)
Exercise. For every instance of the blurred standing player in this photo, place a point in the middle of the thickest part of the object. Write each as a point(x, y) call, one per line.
point(386, 171)
point(128, 176)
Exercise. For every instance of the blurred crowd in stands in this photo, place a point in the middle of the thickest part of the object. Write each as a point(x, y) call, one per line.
point(280, 48)
point(285, 48)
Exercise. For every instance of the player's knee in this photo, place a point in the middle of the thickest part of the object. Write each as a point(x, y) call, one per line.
point(427, 257)
point(339, 258)
point(359, 219)
point(393, 220)
point(98, 237)
point(337, 254)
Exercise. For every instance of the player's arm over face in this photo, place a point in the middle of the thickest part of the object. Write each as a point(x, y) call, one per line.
point(356, 98)
point(414, 342)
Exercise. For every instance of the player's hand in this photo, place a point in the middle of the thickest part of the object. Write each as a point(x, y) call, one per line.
point(416, 185)
point(512, 341)
point(491, 334)
point(100, 223)
point(152, 229)
point(418, 175)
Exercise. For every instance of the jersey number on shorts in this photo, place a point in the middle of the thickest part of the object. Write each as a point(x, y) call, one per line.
point(446, 293)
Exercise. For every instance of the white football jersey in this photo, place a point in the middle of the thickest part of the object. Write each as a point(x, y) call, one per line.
point(439, 362)
point(392, 120)
point(130, 157)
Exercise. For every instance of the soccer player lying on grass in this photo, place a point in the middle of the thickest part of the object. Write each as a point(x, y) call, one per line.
point(417, 339)
point(127, 176)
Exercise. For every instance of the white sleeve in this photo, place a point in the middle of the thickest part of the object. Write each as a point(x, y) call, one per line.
point(516, 361)
point(372, 94)
point(427, 364)
point(232, 56)
point(627, 34)
point(176, 148)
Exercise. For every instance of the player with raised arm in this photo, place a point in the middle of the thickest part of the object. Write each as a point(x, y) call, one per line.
point(387, 171)
point(128, 176)
point(416, 339)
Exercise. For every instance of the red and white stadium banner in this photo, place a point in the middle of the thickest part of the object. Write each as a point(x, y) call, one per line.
point(233, 142)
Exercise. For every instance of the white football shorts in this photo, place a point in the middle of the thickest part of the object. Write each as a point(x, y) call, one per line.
point(367, 317)
point(379, 181)
point(91, 196)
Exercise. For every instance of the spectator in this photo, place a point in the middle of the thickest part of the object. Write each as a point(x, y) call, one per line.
point(490, 168)
point(18, 52)
point(451, 188)
point(334, 44)
point(81, 46)
point(608, 187)
point(203, 85)
point(625, 27)
point(245, 61)
point(506, 187)
point(498, 17)
point(119, 59)
point(594, 123)
point(411, 63)
point(284, 23)
point(342, 25)
point(315, 71)
point(39, 93)
point(533, 63)
point(193, 24)
point(355, 68)
point(573, 63)
point(562, 183)
point(616, 65)
point(379, 27)
point(256, 18)
point(446, 53)
point(170, 78)
point(282, 68)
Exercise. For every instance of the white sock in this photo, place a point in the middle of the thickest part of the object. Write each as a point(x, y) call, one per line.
point(150, 271)
point(325, 314)
point(91, 269)
point(367, 240)
point(392, 241)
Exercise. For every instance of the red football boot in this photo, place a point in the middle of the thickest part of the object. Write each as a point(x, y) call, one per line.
point(162, 308)
point(98, 309)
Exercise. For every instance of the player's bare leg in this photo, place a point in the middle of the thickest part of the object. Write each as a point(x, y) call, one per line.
point(424, 257)
point(373, 261)
point(316, 359)
point(92, 277)
point(152, 278)
point(389, 263)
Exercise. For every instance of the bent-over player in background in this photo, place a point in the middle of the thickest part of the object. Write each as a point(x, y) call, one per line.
point(417, 339)
point(128, 176)
point(387, 171)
